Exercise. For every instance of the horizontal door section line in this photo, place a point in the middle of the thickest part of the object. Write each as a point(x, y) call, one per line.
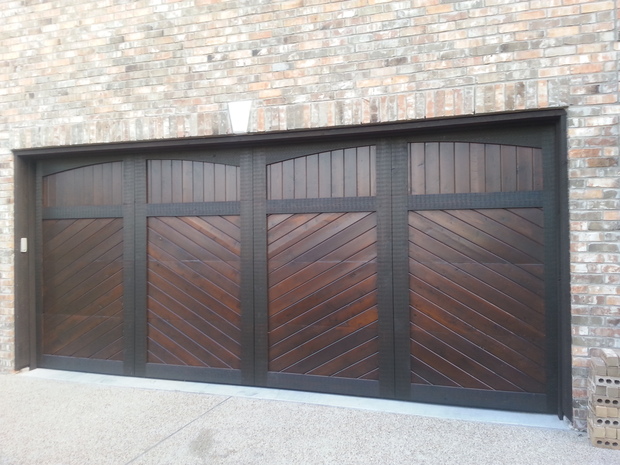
point(331, 205)
point(194, 209)
point(78, 212)
point(476, 200)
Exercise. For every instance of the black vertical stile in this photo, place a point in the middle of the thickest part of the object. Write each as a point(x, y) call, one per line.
point(384, 268)
point(552, 265)
point(37, 330)
point(261, 313)
point(247, 271)
point(25, 290)
point(129, 316)
point(563, 349)
point(400, 261)
point(139, 237)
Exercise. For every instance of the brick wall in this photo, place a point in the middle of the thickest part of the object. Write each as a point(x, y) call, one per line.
point(119, 70)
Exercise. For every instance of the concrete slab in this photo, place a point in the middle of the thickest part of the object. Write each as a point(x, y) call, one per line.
point(364, 403)
point(69, 421)
point(55, 422)
point(249, 431)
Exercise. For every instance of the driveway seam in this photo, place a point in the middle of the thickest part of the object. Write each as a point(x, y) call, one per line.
point(177, 431)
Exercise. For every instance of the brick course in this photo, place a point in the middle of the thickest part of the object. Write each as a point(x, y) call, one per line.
point(115, 70)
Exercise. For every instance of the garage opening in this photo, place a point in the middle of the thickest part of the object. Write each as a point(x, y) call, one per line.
point(409, 266)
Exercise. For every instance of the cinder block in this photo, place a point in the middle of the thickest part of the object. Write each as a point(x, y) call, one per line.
point(597, 390)
point(605, 443)
point(596, 431)
point(597, 366)
point(609, 356)
point(600, 411)
point(605, 401)
point(613, 371)
point(607, 381)
point(612, 391)
point(605, 422)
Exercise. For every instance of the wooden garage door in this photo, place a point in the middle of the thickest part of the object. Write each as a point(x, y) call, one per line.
point(193, 269)
point(398, 269)
point(476, 275)
point(82, 276)
point(322, 271)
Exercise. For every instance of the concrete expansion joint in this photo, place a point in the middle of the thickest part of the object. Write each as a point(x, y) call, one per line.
point(171, 435)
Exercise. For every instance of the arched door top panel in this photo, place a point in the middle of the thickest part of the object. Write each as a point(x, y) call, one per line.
point(185, 181)
point(464, 168)
point(92, 185)
point(337, 173)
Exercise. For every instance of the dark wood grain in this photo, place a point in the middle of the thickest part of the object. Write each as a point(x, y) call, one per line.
point(186, 181)
point(193, 295)
point(323, 317)
point(463, 168)
point(91, 185)
point(472, 323)
point(339, 173)
point(82, 281)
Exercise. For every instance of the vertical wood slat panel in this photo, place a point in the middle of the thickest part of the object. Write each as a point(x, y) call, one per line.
point(325, 175)
point(431, 174)
point(492, 165)
point(462, 168)
point(340, 173)
point(373, 170)
point(477, 167)
point(417, 169)
point(350, 173)
point(184, 181)
point(537, 169)
point(301, 178)
point(312, 177)
point(508, 156)
point(92, 185)
point(524, 169)
point(363, 172)
point(337, 173)
point(446, 168)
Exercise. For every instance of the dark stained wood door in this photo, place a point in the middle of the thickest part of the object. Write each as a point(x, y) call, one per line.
point(323, 317)
point(82, 277)
point(476, 273)
point(193, 276)
point(407, 269)
point(323, 295)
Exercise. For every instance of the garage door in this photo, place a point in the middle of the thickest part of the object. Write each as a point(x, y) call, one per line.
point(397, 268)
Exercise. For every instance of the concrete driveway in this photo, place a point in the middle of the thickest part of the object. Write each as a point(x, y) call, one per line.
point(54, 417)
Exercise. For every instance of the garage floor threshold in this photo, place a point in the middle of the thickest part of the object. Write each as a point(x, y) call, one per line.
point(332, 400)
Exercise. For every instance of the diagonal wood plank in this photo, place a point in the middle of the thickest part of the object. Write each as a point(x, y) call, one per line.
point(193, 286)
point(322, 295)
point(82, 299)
point(474, 323)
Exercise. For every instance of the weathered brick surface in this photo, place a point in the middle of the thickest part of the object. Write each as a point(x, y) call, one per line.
point(116, 70)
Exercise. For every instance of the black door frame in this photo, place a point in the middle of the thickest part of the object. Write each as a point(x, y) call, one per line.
point(555, 175)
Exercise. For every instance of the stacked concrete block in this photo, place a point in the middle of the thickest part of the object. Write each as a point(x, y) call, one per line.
point(604, 398)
